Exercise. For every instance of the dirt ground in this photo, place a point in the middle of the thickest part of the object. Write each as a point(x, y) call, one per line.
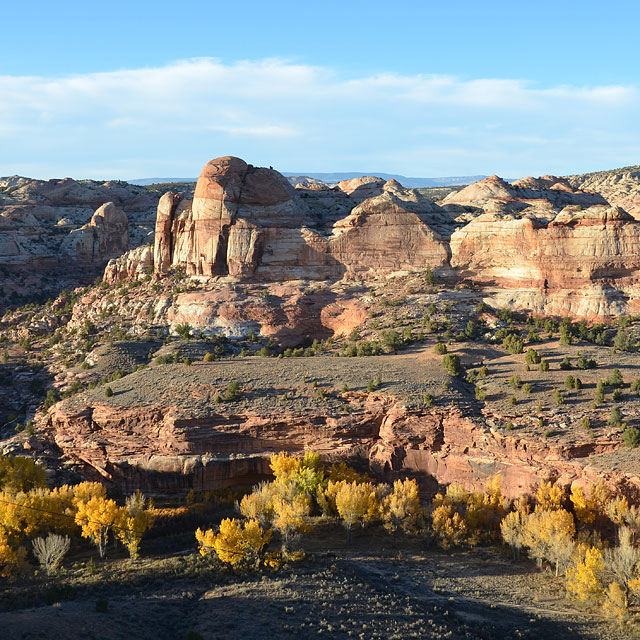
point(368, 590)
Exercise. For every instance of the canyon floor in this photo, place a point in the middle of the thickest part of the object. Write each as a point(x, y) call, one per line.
point(370, 589)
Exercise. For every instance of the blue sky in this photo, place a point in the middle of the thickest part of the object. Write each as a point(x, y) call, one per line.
point(140, 89)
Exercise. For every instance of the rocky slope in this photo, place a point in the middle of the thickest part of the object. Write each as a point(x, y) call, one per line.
point(620, 187)
point(549, 247)
point(250, 224)
point(584, 262)
point(60, 233)
point(162, 431)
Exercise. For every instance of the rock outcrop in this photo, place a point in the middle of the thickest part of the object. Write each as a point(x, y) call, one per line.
point(155, 449)
point(544, 192)
point(105, 236)
point(132, 265)
point(583, 262)
point(48, 240)
point(250, 223)
point(545, 245)
point(620, 187)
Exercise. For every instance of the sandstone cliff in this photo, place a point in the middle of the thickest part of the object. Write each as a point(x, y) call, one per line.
point(583, 262)
point(50, 237)
point(105, 236)
point(249, 223)
point(544, 192)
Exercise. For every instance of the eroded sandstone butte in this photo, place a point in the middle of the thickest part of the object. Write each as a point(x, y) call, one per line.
point(583, 262)
point(545, 245)
point(60, 233)
point(249, 223)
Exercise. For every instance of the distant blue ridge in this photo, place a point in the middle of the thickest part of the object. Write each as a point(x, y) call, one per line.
point(332, 178)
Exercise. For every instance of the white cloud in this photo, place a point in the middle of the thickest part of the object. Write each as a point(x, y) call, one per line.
point(303, 117)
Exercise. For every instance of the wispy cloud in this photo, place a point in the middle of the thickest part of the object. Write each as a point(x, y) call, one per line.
point(175, 117)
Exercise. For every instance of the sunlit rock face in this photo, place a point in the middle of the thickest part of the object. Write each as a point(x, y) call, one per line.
point(250, 223)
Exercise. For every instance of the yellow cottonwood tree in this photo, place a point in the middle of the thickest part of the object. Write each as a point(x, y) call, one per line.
point(615, 604)
point(584, 508)
point(283, 465)
point(549, 497)
point(11, 558)
point(549, 536)
point(84, 491)
point(584, 580)
point(257, 504)
point(289, 517)
point(512, 529)
point(133, 520)
point(618, 510)
point(20, 474)
point(448, 525)
point(401, 508)
point(96, 517)
point(355, 503)
point(235, 544)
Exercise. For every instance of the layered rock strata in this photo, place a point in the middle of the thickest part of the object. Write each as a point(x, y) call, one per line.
point(157, 450)
point(250, 223)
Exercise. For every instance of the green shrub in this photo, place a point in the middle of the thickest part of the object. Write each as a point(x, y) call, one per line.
point(513, 401)
point(440, 348)
point(569, 381)
point(584, 363)
point(558, 397)
point(374, 384)
point(183, 330)
point(631, 437)
point(615, 418)
point(617, 395)
point(527, 387)
point(615, 379)
point(513, 343)
point(623, 341)
point(586, 423)
point(233, 391)
point(543, 366)
point(50, 400)
point(108, 392)
point(452, 364)
point(208, 357)
point(566, 363)
point(428, 400)
point(532, 357)
point(600, 392)
point(515, 382)
point(481, 394)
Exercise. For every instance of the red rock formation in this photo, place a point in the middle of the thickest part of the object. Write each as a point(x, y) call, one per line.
point(133, 265)
point(105, 236)
point(155, 449)
point(578, 263)
point(249, 223)
point(547, 191)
